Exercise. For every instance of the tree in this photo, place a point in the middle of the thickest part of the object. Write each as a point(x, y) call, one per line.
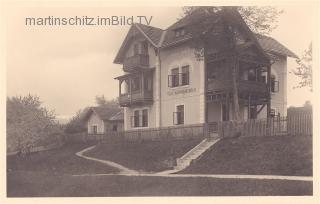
point(307, 104)
point(28, 123)
point(304, 69)
point(77, 123)
point(101, 100)
point(112, 104)
point(214, 26)
point(261, 20)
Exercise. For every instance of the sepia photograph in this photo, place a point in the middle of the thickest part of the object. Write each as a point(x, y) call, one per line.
point(159, 101)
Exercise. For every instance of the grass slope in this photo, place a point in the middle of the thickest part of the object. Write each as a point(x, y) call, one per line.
point(58, 161)
point(145, 156)
point(48, 185)
point(282, 155)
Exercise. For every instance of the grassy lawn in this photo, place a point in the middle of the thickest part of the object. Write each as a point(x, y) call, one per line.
point(282, 155)
point(57, 161)
point(145, 156)
point(47, 185)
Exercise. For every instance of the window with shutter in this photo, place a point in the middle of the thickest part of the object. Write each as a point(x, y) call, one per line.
point(145, 118)
point(185, 75)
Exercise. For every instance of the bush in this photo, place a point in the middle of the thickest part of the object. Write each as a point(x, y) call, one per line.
point(29, 124)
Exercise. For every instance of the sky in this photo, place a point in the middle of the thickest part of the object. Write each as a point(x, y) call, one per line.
point(67, 66)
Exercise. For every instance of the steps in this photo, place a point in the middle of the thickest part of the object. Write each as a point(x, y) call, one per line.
point(195, 153)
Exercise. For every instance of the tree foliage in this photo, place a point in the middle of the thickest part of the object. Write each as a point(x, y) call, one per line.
point(216, 28)
point(260, 19)
point(77, 123)
point(304, 69)
point(101, 101)
point(28, 123)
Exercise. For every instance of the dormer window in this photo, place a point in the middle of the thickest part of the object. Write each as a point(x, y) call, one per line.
point(180, 32)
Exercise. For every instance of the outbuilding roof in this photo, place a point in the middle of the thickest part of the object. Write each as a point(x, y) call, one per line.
point(105, 113)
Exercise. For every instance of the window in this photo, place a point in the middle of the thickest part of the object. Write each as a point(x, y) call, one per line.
point(185, 75)
point(273, 112)
point(173, 79)
point(263, 79)
point(94, 129)
point(136, 49)
point(179, 78)
point(180, 32)
point(274, 84)
point(114, 127)
point(252, 75)
point(135, 84)
point(124, 87)
point(178, 116)
point(225, 113)
point(253, 112)
point(148, 83)
point(145, 118)
point(144, 47)
point(140, 118)
point(136, 119)
point(212, 73)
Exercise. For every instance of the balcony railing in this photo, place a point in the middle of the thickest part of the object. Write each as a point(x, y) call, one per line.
point(136, 62)
point(253, 87)
point(136, 97)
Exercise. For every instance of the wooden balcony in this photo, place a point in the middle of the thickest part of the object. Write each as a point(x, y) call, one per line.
point(135, 98)
point(136, 62)
point(136, 88)
point(244, 87)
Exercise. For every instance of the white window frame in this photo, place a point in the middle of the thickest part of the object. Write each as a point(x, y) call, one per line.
point(140, 118)
point(180, 78)
point(184, 113)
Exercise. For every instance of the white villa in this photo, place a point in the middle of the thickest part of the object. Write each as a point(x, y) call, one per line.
point(164, 84)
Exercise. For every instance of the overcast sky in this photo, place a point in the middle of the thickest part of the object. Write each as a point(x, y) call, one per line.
point(67, 66)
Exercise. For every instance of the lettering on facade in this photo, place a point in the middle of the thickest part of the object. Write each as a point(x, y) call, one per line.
point(183, 91)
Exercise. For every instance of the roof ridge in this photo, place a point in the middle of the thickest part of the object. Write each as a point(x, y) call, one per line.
point(145, 35)
point(289, 52)
point(163, 35)
point(149, 26)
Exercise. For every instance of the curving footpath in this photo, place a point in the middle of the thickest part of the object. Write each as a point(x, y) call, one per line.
point(221, 176)
point(123, 170)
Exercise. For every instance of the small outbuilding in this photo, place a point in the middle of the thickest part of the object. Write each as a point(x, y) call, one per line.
point(101, 120)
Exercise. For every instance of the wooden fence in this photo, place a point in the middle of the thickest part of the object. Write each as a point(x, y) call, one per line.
point(300, 124)
point(39, 148)
point(152, 134)
point(292, 125)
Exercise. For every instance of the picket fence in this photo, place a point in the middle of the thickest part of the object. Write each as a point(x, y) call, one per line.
point(293, 125)
point(300, 124)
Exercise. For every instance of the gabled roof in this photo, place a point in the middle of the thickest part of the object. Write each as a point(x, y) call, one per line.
point(104, 113)
point(271, 45)
point(152, 34)
point(160, 38)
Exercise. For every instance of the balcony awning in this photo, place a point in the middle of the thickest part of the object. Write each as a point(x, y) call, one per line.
point(139, 72)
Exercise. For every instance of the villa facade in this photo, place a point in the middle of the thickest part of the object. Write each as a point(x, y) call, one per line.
point(164, 84)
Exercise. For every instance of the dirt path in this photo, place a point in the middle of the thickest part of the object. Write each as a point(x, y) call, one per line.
point(123, 170)
point(226, 176)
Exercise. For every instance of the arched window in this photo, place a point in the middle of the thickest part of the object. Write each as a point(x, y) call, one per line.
point(124, 87)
